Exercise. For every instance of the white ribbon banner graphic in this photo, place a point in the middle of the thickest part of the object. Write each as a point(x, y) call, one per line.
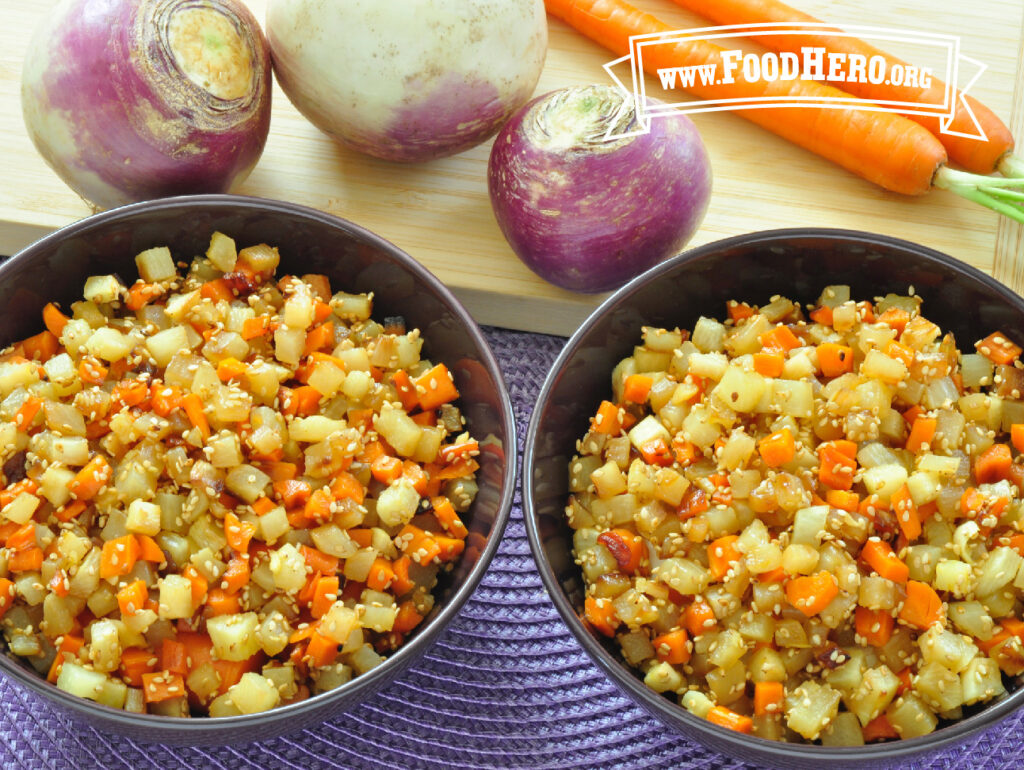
point(812, 63)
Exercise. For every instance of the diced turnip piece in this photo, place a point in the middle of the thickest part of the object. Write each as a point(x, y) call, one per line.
point(397, 503)
point(810, 708)
point(288, 568)
point(155, 264)
point(254, 693)
point(102, 289)
point(234, 636)
point(221, 252)
point(175, 597)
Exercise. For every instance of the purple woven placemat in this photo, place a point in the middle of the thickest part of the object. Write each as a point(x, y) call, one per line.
point(507, 686)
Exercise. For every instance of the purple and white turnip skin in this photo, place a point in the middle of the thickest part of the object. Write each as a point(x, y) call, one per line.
point(586, 214)
point(408, 80)
point(130, 100)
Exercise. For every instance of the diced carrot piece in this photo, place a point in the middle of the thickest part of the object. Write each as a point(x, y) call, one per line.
point(895, 318)
point(906, 513)
point(780, 338)
point(402, 584)
point(993, 464)
point(729, 719)
point(132, 598)
point(301, 401)
point(150, 550)
point(41, 347)
point(386, 469)
point(900, 352)
point(54, 320)
point(216, 290)
point(345, 485)
point(406, 389)
point(421, 546)
point(722, 555)
point(220, 602)
point(874, 626)
point(407, 618)
point(879, 729)
point(451, 548)
point(769, 363)
point(607, 420)
point(325, 594)
point(135, 662)
point(1017, 436)
point(738, 310)
point(842, 499)
point(600, 613)
point(777, 448)
point(162, 686)
point(92, 371)
point(769, 698)
point(636, 388)
point(997, 348)
point(672, 647)
point(381, 574)
point(238, 532)
point(834, 359)
point(448, 517)
point(230, 369)
point(436, 387)
point(699, 618)
point(236, 576)
point(6, 595)
point(193, 407)
point(255, 327)
point(882, 559)
point(922, 431)
point(319, 561)
point(292, 492)
point(118, 556)
point(27, 560)
point(822, 315)
point(200, 585)
point(319, 337)
point(27, 412)
point(812, 593)
point(627, 548)
point(923, 607)
point(130, 393)
point(321, 650)
point(836, 468)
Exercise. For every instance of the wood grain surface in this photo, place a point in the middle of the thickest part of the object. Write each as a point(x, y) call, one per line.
point(440, 214)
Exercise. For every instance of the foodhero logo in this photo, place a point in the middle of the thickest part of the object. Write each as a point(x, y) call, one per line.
point(814, 63)
point(736, 79)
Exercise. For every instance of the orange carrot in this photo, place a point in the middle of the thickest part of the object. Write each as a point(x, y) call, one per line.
point(729, 719)
point(879, 729)
point(822, 315)
point(408, 617)
point(636, 387)
point(887, 149)
point(900, 352)
point(149, 549)
point(895, 318)
point(981, 157)
point(922, 431)
point(238, 532)
point(882, 559)
point(381, 574)
point(41, 347)
point(738, 310)
point(1017, 436)
point(722, 555)
point(27, 412)
point(769, 363)
point(220, 602)
point(255, 327)
point(93, 476)
point(812, 593)
point(161, 686)
point(780, 339)
point(907, 516)
point(607, 419)
point(923, 607)
point(132, 598)
point(216, 290)
point(436, 387)
point(318, 561)
point(174, 656)
point(193, 406)
point(135, 663)
point(834, 359)
point(699, 618)
point(842, 499)
point(627, 548)
point(600, 613)
point(875, 626)
point(325, 594)
point(672, 647)
point(997, 348)
point(769, 698)
point(54, 319)
point(778, 448)
point(836, 469)
point(993, 464)
point(119, 556)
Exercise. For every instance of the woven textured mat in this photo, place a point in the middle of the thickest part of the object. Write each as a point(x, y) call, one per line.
point(507, 686)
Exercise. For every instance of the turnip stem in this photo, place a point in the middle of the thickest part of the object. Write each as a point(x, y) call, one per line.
point(989, 191)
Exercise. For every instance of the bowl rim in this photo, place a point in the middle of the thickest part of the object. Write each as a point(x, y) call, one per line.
point(652, 702)
point(411, 650)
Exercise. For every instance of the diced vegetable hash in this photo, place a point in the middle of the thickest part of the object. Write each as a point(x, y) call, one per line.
point(223, 491)
point(808, 525)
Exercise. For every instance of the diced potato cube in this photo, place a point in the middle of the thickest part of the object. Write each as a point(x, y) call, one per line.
point(234, 636)
point(288, 568)
point(315, 428)
point(398, 429)
point(143, 518)
point(327, 378)
point(155, 264)
point(175, 597)
point(21, 508)
point(274, 524)
point(254, 693)
point(954, 651)
point(247, 482)
point(685, 576)
point(954, 576)
point(102, 289)
point(163, 345)
point(663, 677)
point(810, 707)
point(104, 645)
point(885, 368)
point(351, 307)
point(109, 344)
point(877, 689)
point(397, 503)
point(911, 717)
point(740, 390)
point(273, 632)
point(981, 681)
point(221, 252)
point(648, 430)
point(289, 345)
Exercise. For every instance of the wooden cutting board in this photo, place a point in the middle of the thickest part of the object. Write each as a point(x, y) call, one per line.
point(440, 214)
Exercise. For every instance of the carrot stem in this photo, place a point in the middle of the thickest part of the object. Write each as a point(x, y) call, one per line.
point(985, 190)
point(1011, 165)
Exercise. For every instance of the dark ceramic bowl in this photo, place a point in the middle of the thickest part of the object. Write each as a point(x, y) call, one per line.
point(797, 264)
point(55, 268)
